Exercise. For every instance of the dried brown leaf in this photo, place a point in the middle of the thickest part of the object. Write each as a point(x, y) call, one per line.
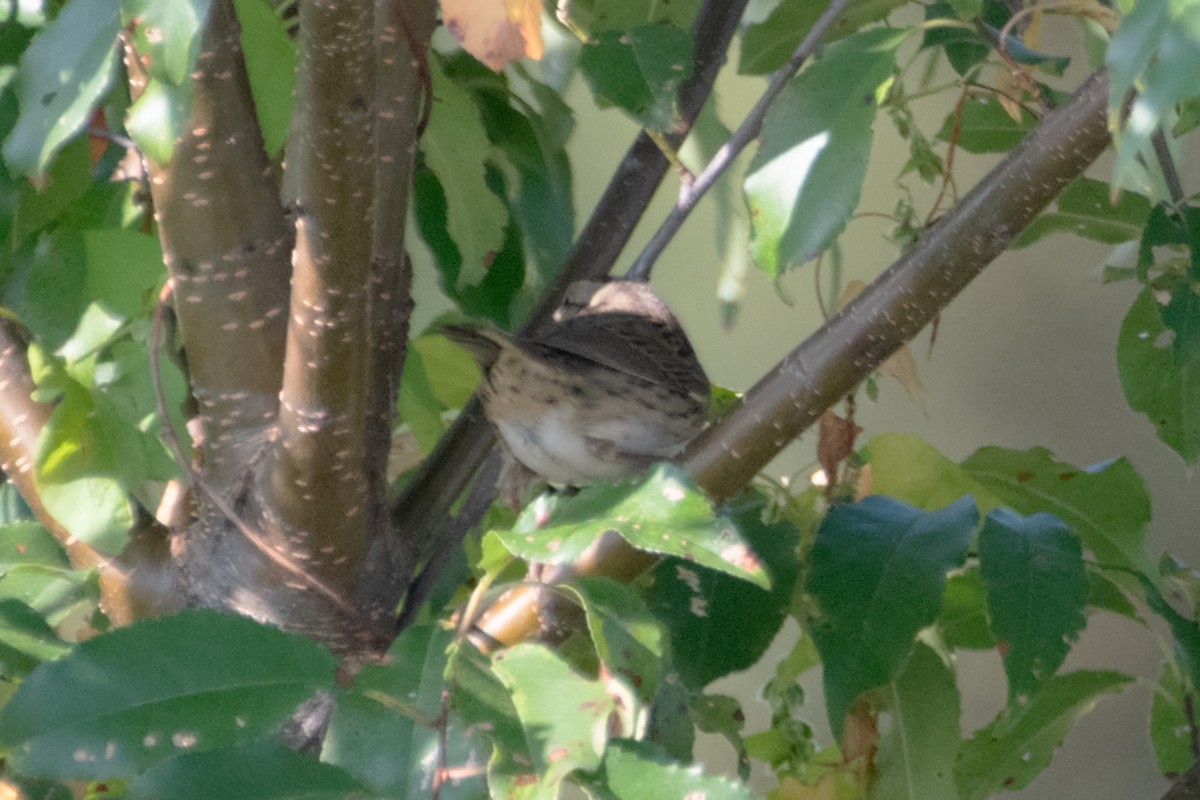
point(496, 31)
point(835, 442)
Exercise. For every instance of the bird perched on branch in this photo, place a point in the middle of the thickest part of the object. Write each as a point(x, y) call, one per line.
point(610, 386)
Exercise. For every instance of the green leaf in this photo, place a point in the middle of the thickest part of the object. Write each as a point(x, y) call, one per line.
point(270, 67)
point(34, 570)
point(66, 181)
point(636, 771)
point(723, 715)
point(258, 771)
point(416, 405)
point(29, 543)
point(663, 512)
point(438, 376)
point(565, 716)
point(1156, 50)
point(453, 374)
point(76, 464)
point(919, 737)
point(878, 571)
point(130, 698)
point(671, 725)
point(1104, 594)
point(43, 790)
point(382, 731)
point(1037, 587)
point(985, 127)
point(629, 641)
point(905, 467)
point(1185, 632)
point(455, 149)
point(484, 703)
point(541, 201)
point(1105, 504)
point(704, 611)
point(25, 640)
point(1170, 730)
point(125, 268)
point(767, 45)
point(94, 509)
point(1014, 748)
point(1083, 209)
point(159, 117)
point(597, 16)
point(1158, 358)
point(964, 47)
point(55, 296)
point(124, 398)
point(804, 182)
point(639, 71)
point(64, 72)
point(964, 620)
point(168, 34)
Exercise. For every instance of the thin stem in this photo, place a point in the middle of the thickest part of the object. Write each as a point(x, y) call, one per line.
point(448, 542)
point(690, 193)
point(1162, 153)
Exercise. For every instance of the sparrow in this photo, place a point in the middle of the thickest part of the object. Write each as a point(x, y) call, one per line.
point(609, 386)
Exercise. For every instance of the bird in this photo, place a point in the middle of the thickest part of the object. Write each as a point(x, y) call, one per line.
point(606, 388)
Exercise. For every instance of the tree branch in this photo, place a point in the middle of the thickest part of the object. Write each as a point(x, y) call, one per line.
point(141, 581)
point(358, 103)
point(226, 246)
point(315, 483)
point(853, 343)
point(403, 94)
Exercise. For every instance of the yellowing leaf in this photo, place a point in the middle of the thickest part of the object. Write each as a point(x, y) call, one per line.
point(903, 368)
point(1006, 92)
point(496, 31)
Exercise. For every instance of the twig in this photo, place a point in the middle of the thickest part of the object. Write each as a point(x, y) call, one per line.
point(448, 542)
point(171, 439)
point(948, 171)
point(112, 136)
point(443, 724)
point(1162, 153)
point(690, 193)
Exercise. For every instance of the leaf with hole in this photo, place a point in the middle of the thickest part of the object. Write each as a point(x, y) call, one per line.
point(1105, 504)
point(1014, 748)
point(662, 512)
